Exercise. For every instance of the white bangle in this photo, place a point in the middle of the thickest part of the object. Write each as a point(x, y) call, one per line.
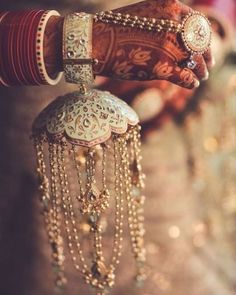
point(77, 48)
point(45, 78)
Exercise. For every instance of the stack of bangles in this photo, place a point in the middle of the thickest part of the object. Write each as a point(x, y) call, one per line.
point(22, 48)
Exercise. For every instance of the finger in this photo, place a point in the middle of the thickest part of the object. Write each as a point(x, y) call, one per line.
point(209, 59)
point(184, 78)
point(200, 70)
point(185, 10)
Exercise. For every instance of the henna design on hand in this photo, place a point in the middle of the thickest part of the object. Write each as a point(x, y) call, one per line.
point(143, 58)
point(132, 54)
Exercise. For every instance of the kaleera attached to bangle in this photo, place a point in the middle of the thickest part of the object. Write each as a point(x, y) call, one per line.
point(196, 34)
point(104, 131)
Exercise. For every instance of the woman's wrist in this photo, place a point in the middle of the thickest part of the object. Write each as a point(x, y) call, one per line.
point(53, 45)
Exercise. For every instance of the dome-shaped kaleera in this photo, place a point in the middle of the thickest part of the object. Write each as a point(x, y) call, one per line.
point(85, 119)
point(88, 157)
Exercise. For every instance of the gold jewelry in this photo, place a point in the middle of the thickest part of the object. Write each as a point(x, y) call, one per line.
point(93, 138)
point(195, 29)
point(127, 20)
point(77, 48)
point(196, 33)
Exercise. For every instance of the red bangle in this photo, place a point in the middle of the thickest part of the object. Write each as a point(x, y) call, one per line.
point(2, 82)
point(26, 46)
point(30, 53)
point(13, 64)
point(5, 56)
point(23, 30)
point(9, 26)
point(17, 60)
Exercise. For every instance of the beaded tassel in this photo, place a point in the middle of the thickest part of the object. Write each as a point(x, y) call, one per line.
point(81, 184)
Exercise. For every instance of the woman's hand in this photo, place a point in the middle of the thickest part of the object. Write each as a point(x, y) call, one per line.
point(132, 54)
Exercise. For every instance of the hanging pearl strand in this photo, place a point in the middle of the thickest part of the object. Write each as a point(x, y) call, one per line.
point(135, 214)
point(51, 215)
point(60, 207)
point(69, 216)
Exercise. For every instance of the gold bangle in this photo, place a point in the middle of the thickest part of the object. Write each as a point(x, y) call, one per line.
point(77, 48)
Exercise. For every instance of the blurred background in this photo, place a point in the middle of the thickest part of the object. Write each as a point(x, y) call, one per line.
point(189, 157)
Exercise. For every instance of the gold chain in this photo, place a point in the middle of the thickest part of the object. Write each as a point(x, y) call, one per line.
point(51, 211)
point(59, 206)
point(144, 23)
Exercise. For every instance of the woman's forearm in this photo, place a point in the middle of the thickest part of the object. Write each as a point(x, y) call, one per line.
point(123, 52)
